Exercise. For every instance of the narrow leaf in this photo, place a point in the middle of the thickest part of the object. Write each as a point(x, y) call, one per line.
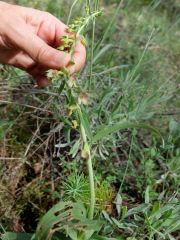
point(109, 129)
point(16, 236)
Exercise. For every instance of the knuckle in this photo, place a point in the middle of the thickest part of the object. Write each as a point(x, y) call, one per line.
point(65, 60)
point(47, 14)
point(41, 54)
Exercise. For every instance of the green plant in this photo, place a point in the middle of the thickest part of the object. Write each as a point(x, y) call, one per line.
point(156, 219)
point(76, 188)
point(130, 81)
point(76, 97)
point(105, 196)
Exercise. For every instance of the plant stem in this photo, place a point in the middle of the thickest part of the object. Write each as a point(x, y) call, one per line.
point(92, 187)
point(92, 53)
point(70, 13)
point(83, 22)
point(96, 4)
point(86, 22)
point(89, 160)
point(90, 172)
point(89, 5)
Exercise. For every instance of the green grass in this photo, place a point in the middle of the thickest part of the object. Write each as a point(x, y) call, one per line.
point(134, 119)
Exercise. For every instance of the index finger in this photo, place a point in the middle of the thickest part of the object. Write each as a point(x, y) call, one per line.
point(79, 54)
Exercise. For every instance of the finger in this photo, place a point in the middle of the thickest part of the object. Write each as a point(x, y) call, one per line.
point(37, 70)
point(42, 81)
point(17, 59)
point(52, 30)
point(39, 74)
point(38, 50)
point(78, 57)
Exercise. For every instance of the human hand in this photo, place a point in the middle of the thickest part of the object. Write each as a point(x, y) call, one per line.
point(28, 39)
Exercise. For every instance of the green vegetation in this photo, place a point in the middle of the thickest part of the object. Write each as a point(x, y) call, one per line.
point(121, 112)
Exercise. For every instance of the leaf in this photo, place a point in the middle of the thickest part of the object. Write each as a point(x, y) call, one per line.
point(106, 238)
point(50, 220)
point(109, 129)
point(107, 94)
point(174, 227)
point(85, 122)
point(171, 237)
point(118, 204)
point(140, 209)
point(75, 148)
point(127, 226)
point(147, 195)
point(160, 212)
point(124, 211)
point(174, 128)
point(106, 216)
point(16, 236)
point(69, 218)
point(61, 88)
point(72, 234)
point(102, 51)
point(156, 207)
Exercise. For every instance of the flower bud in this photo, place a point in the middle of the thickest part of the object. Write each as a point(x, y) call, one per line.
point(74, 124)
point(85, 154)
point(83, 98)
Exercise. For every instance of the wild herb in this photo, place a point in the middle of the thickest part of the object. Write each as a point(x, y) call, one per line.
point(77, 97)
point(127, 84)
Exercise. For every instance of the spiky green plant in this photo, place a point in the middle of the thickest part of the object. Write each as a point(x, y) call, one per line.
point(76, 188)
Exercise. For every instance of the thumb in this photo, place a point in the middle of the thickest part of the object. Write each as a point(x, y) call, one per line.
point(41, 52)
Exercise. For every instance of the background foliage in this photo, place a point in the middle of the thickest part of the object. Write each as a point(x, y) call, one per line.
point(135, 89)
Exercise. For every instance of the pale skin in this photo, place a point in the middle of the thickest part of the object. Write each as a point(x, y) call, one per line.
point(28, 40)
